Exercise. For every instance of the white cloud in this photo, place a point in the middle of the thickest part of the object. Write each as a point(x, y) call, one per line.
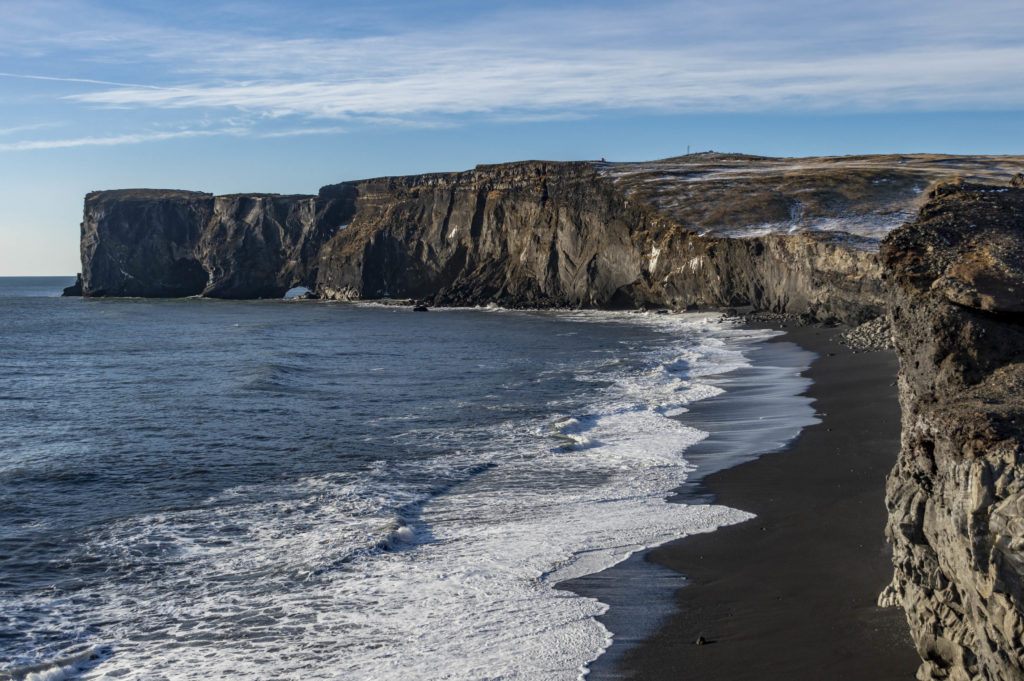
point(304, 131)
point(27, 127)
point(678, 80)
point(138, 138)
point(88, 81)
point(114, 140)
point(529, 63)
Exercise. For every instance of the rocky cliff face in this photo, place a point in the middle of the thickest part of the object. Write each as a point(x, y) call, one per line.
point(956, 495)
point(165, 243)
point(141, 243)
point(529, 234)
point(526, 234)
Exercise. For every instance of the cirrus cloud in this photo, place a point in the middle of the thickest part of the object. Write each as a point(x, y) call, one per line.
point(402, 66)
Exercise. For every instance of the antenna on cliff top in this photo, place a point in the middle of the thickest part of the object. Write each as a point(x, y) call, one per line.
point(687, 149)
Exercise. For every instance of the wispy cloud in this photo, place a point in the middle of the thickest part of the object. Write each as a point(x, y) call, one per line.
point(665, 79)
point(114, 140)
point(534, 63)
point(668, 56)
point(139, 138)
point(25, 128)
point(88, 81)
point(298, 132)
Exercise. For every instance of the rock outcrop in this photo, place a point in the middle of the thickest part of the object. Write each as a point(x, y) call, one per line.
point(75, 289)
point(166, 243)
point(530, 234)
point(956, 495)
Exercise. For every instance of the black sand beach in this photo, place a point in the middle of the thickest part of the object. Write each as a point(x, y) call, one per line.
point(790, 595)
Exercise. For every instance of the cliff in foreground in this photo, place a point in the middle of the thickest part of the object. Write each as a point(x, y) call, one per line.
point(956, 495)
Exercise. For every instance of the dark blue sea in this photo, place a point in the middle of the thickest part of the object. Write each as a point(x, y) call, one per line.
point(283, 489)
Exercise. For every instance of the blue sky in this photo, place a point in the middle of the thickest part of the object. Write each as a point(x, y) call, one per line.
point(286, 97)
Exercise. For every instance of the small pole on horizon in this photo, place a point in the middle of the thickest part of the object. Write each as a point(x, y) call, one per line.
point(687, 149)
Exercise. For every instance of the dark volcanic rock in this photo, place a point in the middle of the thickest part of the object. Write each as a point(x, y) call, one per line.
point(956, 495)
point(259, 246)
point(165, 243)
point(521, 235)
point(875, 334)
point(530, 234)
point(141, 242)
point(539, 234)
point(75, 289)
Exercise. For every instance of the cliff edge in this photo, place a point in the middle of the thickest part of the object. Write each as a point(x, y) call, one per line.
point(528, 234)
point(956, 495)
point(789, 235)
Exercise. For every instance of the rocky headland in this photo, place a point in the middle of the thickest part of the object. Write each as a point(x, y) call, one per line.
point(530, 234)
point(956, 495)
point(931, 247)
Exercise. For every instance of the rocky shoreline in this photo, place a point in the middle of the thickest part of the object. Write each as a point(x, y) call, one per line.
point(530, 234)
point(947, 290)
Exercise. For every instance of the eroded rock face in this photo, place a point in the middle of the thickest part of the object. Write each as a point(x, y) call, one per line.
point(142, 243)
point(75, 289)
point(165, 243)
point(521, 235)
point(531, 234)
point(956, 495)
point(259, 246)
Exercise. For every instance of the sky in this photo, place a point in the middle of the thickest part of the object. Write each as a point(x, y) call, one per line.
point(286, 97)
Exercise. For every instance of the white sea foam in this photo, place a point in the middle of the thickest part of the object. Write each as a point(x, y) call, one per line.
point(362, 576)
point(53, 674)
point(68, 667)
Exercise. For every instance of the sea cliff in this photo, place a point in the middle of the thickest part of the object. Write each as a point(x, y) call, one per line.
point(530, 234)
point(956, 495)
point(796, 236)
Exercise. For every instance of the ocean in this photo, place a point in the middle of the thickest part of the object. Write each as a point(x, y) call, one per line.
point(283, 489)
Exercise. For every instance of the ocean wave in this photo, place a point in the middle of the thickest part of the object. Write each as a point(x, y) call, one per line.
point(418, 567)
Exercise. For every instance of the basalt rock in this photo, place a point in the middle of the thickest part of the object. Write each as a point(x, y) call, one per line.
point(142, 243)
point(956, 495)
point(75, 289)
point(166, 243)
point(530, 234)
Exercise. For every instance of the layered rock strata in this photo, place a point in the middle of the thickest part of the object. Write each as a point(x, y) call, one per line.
point(530, 234)
point(956, 495)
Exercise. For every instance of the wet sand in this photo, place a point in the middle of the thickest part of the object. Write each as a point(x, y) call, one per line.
point(791, 594)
